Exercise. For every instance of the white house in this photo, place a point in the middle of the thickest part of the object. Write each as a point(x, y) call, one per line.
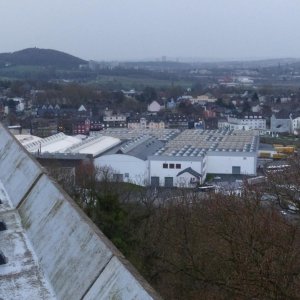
point(245, 122)
point(20, 104)
point(142, 123)
point(154, 106)
point(202, 99)
point(114, 118)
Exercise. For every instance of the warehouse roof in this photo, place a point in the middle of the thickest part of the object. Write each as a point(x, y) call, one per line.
point(95, 146)
point(129, 134)
point(26, 139)
point(61, 143)
point(142, 147)
point(197, 142)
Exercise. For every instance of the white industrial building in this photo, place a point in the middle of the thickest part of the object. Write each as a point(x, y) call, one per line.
point(64, 144)
point(231, 162)
point(183, 159)
point(129, 162)
point(190, 156)
point(176, 171)
point(162, 157)
point(125, 168)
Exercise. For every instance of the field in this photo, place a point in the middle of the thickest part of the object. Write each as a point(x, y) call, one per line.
point(282, 140)
point(138, 83)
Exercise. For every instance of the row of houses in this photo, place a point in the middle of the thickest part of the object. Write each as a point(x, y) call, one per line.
point(84, 124)
point(281, 122)
point(160, 104)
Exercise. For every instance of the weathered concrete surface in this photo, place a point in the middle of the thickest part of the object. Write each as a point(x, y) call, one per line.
point(67, 246)
point(17, 171)
point(116, 282)
point(77, 260)
point(21, 277)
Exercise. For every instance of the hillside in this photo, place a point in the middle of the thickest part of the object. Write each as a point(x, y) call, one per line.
point(40, 57)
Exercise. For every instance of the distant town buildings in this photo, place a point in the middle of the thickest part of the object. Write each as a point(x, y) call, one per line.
point(244, 122)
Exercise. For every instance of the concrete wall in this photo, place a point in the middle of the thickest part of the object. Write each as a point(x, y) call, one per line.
point(280, 125)
point(76, 258)
point(17, 171)
point(136, 168)
point(157, 170)
point(223, 162)
point(67, 247)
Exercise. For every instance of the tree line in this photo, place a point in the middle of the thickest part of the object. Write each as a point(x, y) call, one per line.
point(201, 246)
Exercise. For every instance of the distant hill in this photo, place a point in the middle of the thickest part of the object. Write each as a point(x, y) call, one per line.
point(41, 57)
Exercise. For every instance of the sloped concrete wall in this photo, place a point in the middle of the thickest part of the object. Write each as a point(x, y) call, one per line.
point(78, 260)
point(66, 245)
point(17, 171)
point(116, 282)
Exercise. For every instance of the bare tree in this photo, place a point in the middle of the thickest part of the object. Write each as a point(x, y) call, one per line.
point(284, 183)
point(223, 247)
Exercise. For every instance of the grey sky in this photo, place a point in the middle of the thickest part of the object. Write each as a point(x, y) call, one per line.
point(137, 29)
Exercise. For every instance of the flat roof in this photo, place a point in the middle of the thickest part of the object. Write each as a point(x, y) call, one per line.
point(64, 144)
point(25, 139)
point(128, 134)
point(55, 143)
point(96, 146)
point(196, 142)
point(146, 149)
point(60, 145)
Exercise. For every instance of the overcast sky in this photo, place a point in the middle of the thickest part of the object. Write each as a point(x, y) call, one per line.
point(141, 29)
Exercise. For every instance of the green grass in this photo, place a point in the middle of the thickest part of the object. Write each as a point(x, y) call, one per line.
point(138, 83)
point(24, 72)
point(284, 140)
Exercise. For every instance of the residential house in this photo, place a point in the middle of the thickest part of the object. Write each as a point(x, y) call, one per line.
point(256, 108)
point(203, 99)
point(143, 123)
point(118, 120)
point(155, 106)
point(81, 126)
point(96, 124)
point(244, 122)
point(177, 121)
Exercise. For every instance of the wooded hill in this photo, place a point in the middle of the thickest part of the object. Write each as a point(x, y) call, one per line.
point(40, 57)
